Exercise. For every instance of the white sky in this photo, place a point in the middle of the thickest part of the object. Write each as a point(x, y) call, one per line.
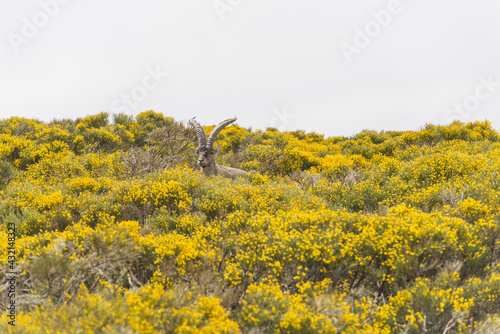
point(269, 62)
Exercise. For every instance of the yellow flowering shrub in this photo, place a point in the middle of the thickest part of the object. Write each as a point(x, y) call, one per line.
point(336, 167)
point(152, 309)
point(437, 304)
point(55, 168)
point(150, 195)
point(53, 134)
point(278, 154)
point(267, 309)
point(232, 138)
point(381, 232)
point(149, 309)
point(79, 185)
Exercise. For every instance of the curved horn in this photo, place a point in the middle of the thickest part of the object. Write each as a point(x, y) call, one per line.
point(218, 129)
point(202, 138)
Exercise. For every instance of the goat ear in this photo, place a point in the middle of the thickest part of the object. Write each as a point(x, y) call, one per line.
point(217, 149)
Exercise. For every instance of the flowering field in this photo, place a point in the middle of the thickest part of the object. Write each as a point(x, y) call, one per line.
point(116, 232)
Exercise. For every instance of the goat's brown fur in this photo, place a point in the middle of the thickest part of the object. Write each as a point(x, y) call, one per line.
point(206, 152)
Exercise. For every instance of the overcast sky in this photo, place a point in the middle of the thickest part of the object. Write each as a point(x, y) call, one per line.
point(330, 66)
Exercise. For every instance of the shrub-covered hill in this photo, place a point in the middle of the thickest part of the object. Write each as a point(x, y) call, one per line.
point(383, 232)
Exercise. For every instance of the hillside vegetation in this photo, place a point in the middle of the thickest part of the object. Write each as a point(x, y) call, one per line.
point(117, 231)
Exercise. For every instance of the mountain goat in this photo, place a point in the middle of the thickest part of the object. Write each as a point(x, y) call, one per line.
point(207, 153)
